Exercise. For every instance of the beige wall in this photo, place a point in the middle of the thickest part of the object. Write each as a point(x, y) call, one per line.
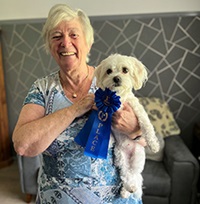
point(28, 9)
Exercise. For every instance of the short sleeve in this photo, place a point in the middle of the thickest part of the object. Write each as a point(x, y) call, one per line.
point(35, 96)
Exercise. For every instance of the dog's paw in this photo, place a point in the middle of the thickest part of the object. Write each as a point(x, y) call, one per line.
point(132, 189)
point(155, 148)
point(124, 193)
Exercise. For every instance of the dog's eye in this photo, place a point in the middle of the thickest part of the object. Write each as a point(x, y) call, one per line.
point(125, 70)
point(109, 71)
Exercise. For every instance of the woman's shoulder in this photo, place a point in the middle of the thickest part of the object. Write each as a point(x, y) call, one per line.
point(44, 85)
point(53, 77)
point(48, 82)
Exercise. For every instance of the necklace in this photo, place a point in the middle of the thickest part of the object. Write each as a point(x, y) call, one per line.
point(74, 94)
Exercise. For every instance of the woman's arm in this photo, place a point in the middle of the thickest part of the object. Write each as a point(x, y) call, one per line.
point(125, 121)
point(34, 131)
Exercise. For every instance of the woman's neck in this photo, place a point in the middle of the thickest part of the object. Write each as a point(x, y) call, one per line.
point(75, 76)
point(73, 81)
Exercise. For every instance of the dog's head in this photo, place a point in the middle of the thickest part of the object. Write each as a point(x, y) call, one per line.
point(120, 73)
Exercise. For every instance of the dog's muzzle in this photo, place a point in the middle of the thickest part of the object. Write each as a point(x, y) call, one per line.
point(117, 80)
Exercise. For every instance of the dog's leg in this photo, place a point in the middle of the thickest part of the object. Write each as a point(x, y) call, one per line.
point(137, 163)
point(147, 128)
point(131, 164)
point(123, 164)
point(150, 136)
point(124, 193)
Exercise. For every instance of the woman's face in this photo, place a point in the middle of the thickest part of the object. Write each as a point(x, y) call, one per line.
point(68, 45)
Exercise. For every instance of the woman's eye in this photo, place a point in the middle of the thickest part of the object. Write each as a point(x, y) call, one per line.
point(125, 70)
point(74, 35)
point(109, 71)
point(56, 37)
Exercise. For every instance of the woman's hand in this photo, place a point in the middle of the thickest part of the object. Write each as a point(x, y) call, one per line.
point(125, 121)
point(84, 105)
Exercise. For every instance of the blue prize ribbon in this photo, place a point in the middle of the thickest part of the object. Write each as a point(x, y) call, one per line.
point(95, 135)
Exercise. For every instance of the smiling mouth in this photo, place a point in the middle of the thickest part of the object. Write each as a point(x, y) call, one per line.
point(67, 53)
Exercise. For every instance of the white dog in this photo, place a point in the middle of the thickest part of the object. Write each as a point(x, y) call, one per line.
point(122, 74)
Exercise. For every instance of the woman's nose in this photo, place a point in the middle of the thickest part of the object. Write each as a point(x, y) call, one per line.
point(66, 41)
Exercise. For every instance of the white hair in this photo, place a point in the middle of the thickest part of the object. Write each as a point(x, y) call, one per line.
point(62, 12)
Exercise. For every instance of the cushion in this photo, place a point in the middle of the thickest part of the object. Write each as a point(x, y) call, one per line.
point(163, 121)
point(160, 116)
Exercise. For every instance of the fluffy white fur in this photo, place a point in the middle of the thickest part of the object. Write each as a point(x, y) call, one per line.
point(123, 74)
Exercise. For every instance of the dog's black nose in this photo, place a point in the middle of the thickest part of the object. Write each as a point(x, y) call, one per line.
point(117, 80)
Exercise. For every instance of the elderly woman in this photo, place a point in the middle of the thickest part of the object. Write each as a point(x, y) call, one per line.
point(55, 110)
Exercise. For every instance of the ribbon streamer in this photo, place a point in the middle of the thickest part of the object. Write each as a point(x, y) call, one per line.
point(95, 135)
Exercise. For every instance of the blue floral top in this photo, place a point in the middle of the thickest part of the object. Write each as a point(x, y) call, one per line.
point(66, 175)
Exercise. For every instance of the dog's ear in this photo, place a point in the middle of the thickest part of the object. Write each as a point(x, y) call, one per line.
point(140, 73)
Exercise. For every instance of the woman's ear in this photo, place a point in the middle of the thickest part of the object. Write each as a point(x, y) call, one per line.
point(139, 72)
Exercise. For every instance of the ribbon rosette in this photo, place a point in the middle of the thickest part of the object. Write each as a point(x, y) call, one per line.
point(95, 135)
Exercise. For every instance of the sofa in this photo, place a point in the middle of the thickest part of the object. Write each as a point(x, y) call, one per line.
point(170, 176)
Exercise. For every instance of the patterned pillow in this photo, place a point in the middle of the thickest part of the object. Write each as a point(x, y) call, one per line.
point(163, 121)
point(160, 116)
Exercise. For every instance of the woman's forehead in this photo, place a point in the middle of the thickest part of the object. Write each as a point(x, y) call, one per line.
point(68, 25)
